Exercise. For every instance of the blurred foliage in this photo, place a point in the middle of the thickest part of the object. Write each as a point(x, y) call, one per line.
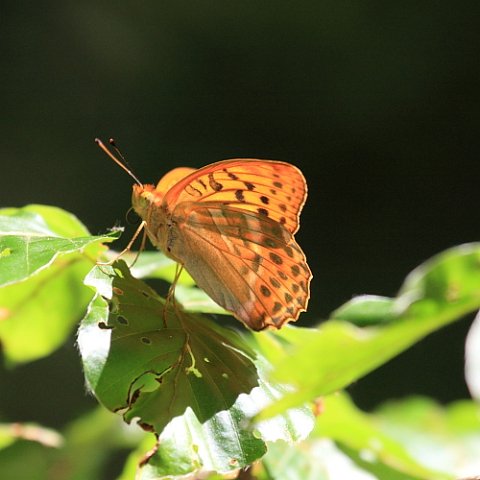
point(215, 401)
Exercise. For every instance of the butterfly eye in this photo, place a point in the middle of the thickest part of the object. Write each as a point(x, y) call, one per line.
point(132, 217)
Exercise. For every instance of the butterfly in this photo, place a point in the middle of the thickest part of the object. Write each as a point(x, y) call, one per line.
point(231, 225)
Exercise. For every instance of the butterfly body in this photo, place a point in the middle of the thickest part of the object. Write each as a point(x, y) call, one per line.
point(231, 224)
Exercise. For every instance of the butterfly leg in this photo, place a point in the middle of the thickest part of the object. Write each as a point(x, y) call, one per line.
point(129, 246)
point(171, 294)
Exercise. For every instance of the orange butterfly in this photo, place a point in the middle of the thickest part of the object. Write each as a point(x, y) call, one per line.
point(231, 225)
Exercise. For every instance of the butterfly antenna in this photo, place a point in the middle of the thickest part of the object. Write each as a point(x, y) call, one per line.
point(112, 142)
point(115, 159)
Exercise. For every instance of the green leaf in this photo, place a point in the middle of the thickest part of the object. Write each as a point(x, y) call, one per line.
point(41, 272)
point(472, 358)
point(446, 286)
point(217, 445)
point(39, 314)
point(438, 292)
point(30, 243)
point(196, 300)
point(189, 380)
point(407, 440)
point(445, 439)
point(318, 459)
point(223, 443)
point(152, 361)
point(41, 219)
point(152, 265)
point(367, 310)
point(341, 421)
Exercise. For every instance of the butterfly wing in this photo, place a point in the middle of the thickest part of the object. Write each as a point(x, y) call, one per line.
point(233, 225)
point(273, 189)
point(248, 263)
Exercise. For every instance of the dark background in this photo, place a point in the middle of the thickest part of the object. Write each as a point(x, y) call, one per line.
point(377, 102)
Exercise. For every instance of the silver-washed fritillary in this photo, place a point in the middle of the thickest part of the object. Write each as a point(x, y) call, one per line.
point(231, 224)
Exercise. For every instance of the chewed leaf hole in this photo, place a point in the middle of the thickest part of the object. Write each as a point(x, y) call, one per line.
point(206, 360)
point(147, 427)
point(122, 320)
point(104, 326)
point(146, 341)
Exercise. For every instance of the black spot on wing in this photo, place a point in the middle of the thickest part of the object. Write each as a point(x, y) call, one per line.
point(275, 283)
point(239, 195)
point(265, 291)
point(213, 183)
point(277, 259)
point(295, 269)
point(231, 175)
point(263, 211)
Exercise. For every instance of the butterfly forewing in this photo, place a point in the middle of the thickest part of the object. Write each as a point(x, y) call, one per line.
point(269, 188)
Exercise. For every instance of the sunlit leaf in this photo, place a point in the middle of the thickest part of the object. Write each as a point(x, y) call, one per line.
point(319, 459)
point(412, 439)
point(41, 272)
point(367, 310)
point(152, 265)
point(29, 243)
point(360, 432)
point(438, 292)
point(445, 439)
point(153, 362)
point(224, 443)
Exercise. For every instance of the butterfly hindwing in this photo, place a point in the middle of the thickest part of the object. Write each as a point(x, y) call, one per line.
point(249, 264)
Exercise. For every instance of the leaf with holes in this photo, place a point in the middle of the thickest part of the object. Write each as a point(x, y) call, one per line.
point(189, 380)
point(153, 365)
point(45, 253)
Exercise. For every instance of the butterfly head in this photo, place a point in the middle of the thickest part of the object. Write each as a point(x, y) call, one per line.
point(143, 198)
